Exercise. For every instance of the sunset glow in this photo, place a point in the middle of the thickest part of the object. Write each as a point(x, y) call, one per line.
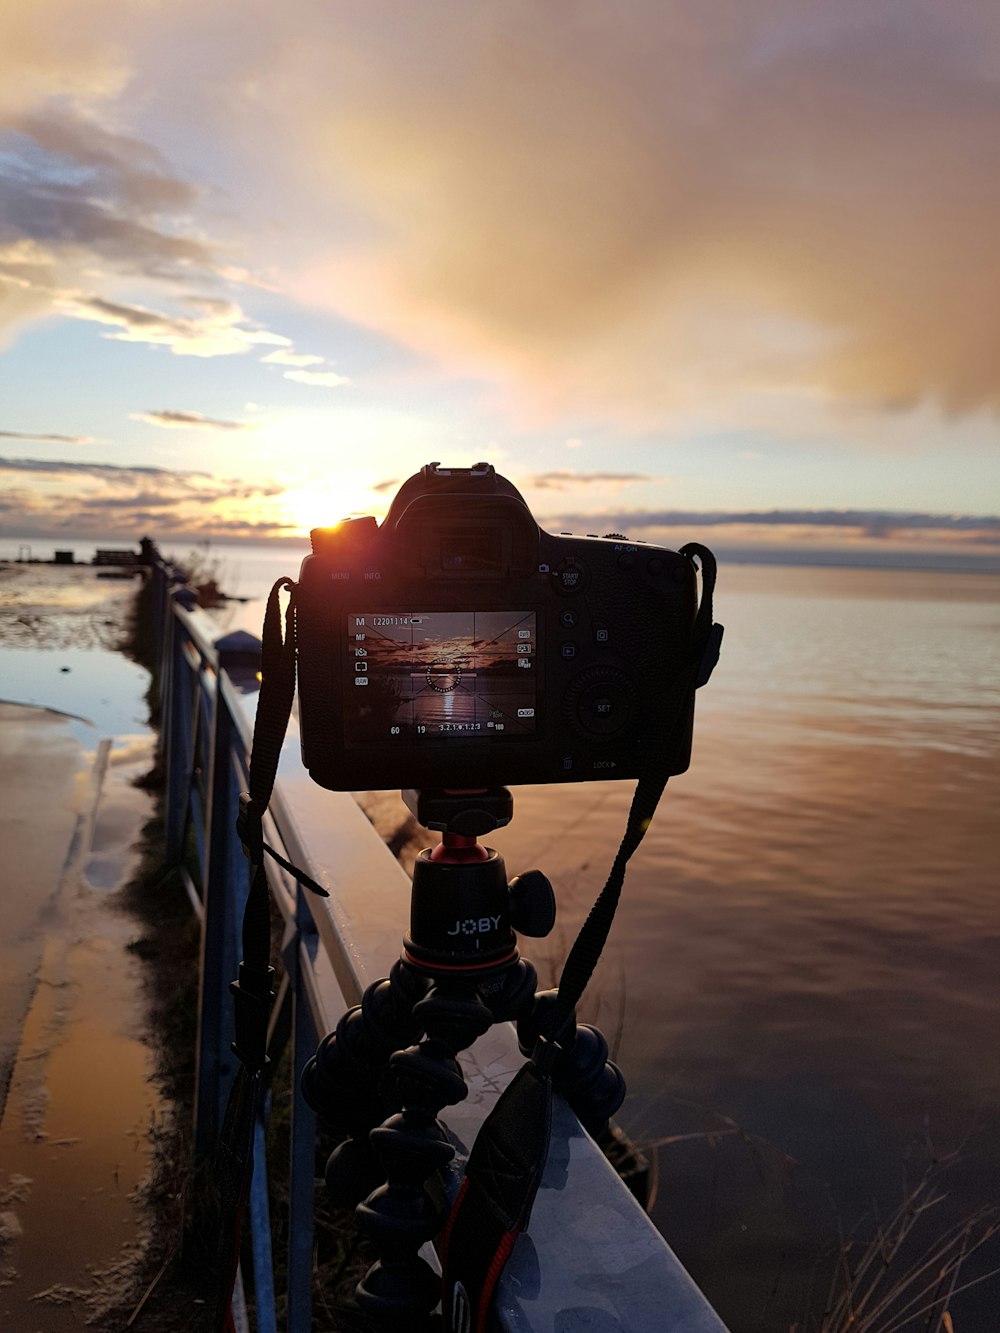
point(738, 261)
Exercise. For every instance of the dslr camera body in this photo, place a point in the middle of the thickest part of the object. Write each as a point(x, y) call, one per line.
point(458, 645)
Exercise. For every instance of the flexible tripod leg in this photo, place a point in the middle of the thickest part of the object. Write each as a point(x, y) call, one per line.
point(360, 1071)
point(346, 1081)
point(401, 1289)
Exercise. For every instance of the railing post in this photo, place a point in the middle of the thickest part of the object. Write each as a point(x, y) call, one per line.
point(177, 730)
point(225, 884)
point(302, 1150)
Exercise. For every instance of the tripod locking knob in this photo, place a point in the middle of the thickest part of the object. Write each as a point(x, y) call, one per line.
point(532, 904)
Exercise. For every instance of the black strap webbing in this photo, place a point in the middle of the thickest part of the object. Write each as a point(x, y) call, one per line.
point(252, 992)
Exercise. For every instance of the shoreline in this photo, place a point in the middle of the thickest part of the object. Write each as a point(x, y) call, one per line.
point(98, 1039)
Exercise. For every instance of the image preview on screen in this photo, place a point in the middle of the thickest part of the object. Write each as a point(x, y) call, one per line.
point(435, 675)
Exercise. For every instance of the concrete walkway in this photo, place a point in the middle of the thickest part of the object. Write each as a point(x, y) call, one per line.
point(77, 1103)
point(43, 777)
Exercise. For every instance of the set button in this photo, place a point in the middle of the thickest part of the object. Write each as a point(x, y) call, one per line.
point(600, 702)
point(605, 708)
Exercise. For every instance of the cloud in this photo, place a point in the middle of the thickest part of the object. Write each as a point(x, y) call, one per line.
point(875, 522)
point(562, 479)
point(626, 216)
point(62, 497)
point(286, 357)
point(188, 419)
point(617, 217)
point(324, 379)
point(79, 202)
point(46, 438)
point(60, 465)
point(895, 539)
point(221, 329)
point(76, 192)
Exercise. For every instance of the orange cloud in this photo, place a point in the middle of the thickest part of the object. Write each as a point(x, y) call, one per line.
point(635, 212)
point(619, 213)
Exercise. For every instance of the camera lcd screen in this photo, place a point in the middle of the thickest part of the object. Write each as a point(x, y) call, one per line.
point(440, 675)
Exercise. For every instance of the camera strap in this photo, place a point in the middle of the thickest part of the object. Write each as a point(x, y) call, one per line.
point(507, 1161)
point(252, 991)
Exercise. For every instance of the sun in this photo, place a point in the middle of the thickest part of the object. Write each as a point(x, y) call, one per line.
point(321, 506)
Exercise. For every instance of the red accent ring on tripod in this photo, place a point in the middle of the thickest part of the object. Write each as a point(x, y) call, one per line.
point(459, 967)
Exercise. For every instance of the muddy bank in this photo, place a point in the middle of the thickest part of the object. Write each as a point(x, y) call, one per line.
point(61, 606)
point(81, 1113)
point(82, 1110)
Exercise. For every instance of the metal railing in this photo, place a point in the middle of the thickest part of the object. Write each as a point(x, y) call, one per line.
point(591, 1259)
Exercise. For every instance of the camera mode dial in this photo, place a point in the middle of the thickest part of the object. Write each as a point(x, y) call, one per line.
point(600, 702)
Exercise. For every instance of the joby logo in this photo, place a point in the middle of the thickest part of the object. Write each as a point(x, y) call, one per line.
point(461, 1310)
point(473, 926)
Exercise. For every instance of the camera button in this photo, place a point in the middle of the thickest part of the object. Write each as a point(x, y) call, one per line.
point(654, 565)
point(602, 634)
point(568, 618)
point(600, 702)
point(567, 650)
point(605, 708)
point(626, 560)
point(569, 575)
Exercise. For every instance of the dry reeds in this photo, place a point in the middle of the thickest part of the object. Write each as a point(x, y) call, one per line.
point(894, 1280)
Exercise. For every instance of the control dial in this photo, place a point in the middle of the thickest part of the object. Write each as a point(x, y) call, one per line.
point(600, 703)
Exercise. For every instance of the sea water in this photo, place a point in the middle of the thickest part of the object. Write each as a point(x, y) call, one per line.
point(802, 984)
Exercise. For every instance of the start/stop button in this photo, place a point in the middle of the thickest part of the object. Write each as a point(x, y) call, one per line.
point(569, 575)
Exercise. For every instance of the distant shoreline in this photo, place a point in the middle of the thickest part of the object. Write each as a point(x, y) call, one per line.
point(921, 561)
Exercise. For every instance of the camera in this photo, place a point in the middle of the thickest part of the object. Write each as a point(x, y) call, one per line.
point(459, 645)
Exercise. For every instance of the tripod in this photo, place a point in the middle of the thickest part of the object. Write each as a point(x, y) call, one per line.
point(390, 1066)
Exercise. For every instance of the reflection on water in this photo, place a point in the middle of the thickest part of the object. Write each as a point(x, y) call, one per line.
point(809, 934)
point(808, 937)
point(77, 1105)
point(103, 690)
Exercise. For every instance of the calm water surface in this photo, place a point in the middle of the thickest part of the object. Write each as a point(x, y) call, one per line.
point(805, 971)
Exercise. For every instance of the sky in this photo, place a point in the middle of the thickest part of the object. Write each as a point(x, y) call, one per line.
point(725, 270)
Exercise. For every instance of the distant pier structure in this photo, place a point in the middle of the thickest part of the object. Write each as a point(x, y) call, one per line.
point(114, 557)
point(107, 557)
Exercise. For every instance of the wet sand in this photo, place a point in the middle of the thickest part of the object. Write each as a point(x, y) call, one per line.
point(43, 768)
point(77, 1107)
